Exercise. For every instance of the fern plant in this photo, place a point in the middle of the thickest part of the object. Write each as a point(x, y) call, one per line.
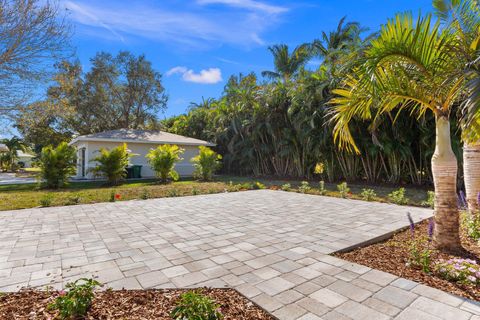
point(112, 164)
point(163, 159)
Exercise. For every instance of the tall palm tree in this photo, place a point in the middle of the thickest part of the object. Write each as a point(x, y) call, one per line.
point(14, 145)
point(410, 66)
point(463, 18)
point(286, 64)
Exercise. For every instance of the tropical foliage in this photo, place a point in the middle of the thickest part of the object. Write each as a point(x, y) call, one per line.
point(112, 164)
point(206, 163)
point(163, 159)
point(57, 165)
point(9, 158)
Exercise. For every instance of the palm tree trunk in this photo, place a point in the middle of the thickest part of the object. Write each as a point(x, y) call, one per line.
point(471, 172)
point(444, 166)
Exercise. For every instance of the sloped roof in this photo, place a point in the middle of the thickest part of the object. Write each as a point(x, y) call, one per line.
point(142, 136)
point(22, 154)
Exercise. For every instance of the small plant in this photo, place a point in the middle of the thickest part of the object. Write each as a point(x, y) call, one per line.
point(114, 196)
point(319, 168)
point(258, 185)
point(145, 194)
point(73, 200)
point(206, 163)
point(76, 300)
point(343, 189)
point(163, 159)
point(464, 271)
point(471, 222)
point(195, 191)
point(321, 187)
point(196, 306)
point(430, 201)
point(368, 194)
point(304, 187)
point(286, 186)
point(112, 164)
point(398, 197)
point(172, 193)
point(233, 187)
point(420, 254)
point(46, 200)
point(57, 165)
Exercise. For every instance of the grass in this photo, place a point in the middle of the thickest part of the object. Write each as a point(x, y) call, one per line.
point(20, 196)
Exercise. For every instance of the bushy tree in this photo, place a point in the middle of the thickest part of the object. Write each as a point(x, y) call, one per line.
point(57, 165)
point(163, 159)
point(112, 164)
point(206, 163)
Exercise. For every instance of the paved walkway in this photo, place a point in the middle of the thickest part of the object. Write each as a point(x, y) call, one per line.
point(11, 178)
point(272, 246)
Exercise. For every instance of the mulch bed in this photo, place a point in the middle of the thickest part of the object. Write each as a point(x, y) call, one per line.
point(391, 256)
point(128, 304)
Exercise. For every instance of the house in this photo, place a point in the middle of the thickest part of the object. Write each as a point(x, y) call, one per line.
point(3, 148)
point(24, 159)
point(139, 142)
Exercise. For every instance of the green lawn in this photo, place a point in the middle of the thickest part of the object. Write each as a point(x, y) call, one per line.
point(21, 196)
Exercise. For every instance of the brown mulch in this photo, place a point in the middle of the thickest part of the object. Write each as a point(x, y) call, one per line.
point(391, 256)
point(129, 304)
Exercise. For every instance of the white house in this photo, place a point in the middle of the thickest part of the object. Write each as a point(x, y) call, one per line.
point(139, 142)
point(24, 159)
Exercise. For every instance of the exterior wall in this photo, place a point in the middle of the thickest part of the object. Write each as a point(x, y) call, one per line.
point(26, 160)
point(184, 167)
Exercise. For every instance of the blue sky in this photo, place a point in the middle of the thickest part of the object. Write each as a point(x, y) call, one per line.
point(198, 44)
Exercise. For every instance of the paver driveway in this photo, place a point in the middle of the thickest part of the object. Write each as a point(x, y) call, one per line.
point(270, 245)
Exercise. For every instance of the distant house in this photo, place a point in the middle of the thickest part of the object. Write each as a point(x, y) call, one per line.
point(24, 159)
point(139, 142)
point(3, 148)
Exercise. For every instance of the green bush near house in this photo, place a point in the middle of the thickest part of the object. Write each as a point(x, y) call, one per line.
point(196, 306)
point(163, 159)
point(398, 197)
point(343, 189)
point(206, 163)
point(57, 165)
point(112, 164)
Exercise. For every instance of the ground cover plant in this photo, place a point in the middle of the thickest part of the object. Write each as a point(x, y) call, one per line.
point(135, 305)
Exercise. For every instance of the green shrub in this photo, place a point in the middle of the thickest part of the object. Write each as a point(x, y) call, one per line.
point(206, 163)
point(420, 254)
point(172, 192)
point(321, 187)
point(398, 197)
point(57, 165)
point(112, 164)
point(73, 200)
point(195, 191)
point(286, 187)
point(304, 187)
point(368, 194)
point(163, 159)
point(145, 194)
point(76, 300)
point(471, 223)
point(196, 306)
point(430, 202)
point(233, 187)
point(46, 200)
point(343, 189)
point(257, 185)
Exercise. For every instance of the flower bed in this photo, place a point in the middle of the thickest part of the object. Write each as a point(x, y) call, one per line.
point(457, 274)
point(128, 304)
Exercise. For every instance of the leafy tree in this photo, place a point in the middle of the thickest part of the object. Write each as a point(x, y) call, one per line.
point(112, 164)
point(286, 64)
point(118, 92)
point(33, 35)
point(14, 145)
point(57, 165)
point(206, 163)
point(410, 66)
point(163, 159)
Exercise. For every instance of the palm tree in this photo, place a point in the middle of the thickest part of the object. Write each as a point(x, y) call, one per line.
point(463, 18)
point(14, 145)
point(286, 64)
point(410, 66)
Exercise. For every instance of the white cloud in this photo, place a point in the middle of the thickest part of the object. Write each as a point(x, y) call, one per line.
point(248, 4)
point(205, 76)
point(197, 27)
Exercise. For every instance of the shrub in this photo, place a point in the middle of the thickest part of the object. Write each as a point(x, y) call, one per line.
point(206, 163)
point(163, 159)
point(195, 191)
point(257, 185)
point(398, 197)
point(193, 305)
point(74, 199)
point(321, 187)
point(304, 187)
point(233, 187)
point(430, 201)
point(368, 194)
point(76, 300)
point(343, 189)
point(112, 164)
point(286, 187)
point(172, 193)
point(145, 194)
point(46, 200)
point(420, 254)
point(57, 165)
point(464, 271)
point(471, 223)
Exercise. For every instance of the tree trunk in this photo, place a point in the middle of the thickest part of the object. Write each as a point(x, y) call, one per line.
point(444, 166)
point(471, 172)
